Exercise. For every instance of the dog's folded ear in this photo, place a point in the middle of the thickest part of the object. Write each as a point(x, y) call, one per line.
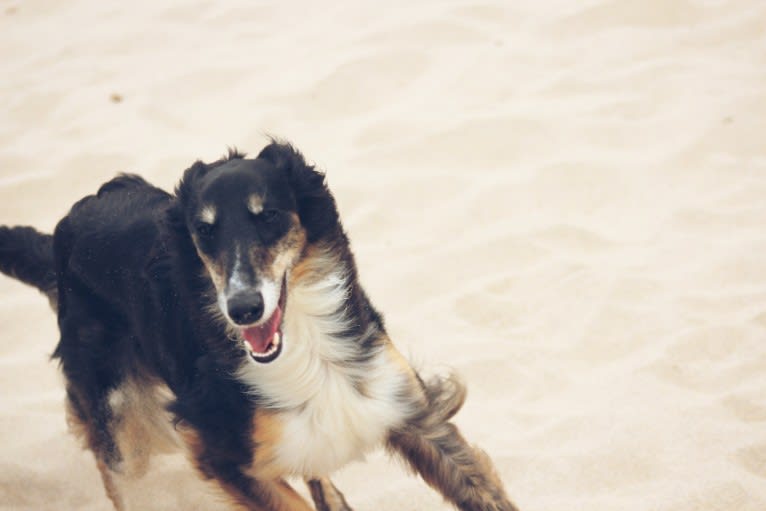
point(175, 215)
point(316, 205)
point(185, 186)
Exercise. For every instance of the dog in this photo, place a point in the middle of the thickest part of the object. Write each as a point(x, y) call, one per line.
point(227, 320)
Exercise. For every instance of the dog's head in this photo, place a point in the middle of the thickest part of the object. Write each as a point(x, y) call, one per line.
point(249, 221)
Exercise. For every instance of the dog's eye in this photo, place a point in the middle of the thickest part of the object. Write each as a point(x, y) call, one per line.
point(271, 224)
point(204, 230)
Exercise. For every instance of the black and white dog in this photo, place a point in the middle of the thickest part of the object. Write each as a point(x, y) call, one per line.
point(228, 320)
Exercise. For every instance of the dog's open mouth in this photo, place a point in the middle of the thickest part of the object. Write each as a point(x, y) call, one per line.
point(264, 342)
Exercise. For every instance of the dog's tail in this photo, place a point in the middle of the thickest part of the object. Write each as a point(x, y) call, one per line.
point(27, 255)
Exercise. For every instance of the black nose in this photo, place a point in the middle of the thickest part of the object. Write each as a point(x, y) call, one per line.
point(245, 308)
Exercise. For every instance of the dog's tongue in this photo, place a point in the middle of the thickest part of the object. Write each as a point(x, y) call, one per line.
point(259, 337)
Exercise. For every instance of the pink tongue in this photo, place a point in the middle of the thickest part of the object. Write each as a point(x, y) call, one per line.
point(259, 337)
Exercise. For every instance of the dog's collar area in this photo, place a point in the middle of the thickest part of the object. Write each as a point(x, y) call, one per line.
point(264, 342)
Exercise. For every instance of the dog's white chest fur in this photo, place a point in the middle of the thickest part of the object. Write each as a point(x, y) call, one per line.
point(338, 424)
point(331, 410)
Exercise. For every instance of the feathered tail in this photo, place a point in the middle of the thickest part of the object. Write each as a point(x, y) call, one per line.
point(27, 255)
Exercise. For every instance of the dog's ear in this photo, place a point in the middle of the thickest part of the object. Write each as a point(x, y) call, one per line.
point(199, 169)
point(184, 191)
point(316, 205)
point(184, 198)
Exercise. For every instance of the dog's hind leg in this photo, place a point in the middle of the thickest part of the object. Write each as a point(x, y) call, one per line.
point(326, 496)
point(92, 414)
point(94, 430)
point(435, 449)
point(123, 429)
point(110, 486)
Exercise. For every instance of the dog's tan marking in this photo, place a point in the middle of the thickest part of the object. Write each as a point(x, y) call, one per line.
point(316, 262)
point(276, 260)
point(193, 443)
point(214, 268)
point(267, 432)
point(142, 426)
point(255, 204)
point(398, 359)
point(208, 214)
point(259, 494)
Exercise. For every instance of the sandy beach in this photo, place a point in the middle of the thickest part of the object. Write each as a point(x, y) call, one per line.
point(563, 201)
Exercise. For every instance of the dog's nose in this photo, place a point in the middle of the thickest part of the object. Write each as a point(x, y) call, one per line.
point(245, 308)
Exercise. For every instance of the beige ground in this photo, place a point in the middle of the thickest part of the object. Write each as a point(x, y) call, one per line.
point(566, 201)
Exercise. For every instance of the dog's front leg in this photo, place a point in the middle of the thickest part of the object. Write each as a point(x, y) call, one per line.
point(436, 450)
point(254, 494)
point(326, 496)
point(244, 490)
point(463, 474)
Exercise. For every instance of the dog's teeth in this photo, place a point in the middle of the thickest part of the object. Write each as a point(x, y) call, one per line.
point(249, 348)
point(274, 346)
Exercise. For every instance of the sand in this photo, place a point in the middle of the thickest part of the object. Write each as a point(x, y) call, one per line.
point(564, 201)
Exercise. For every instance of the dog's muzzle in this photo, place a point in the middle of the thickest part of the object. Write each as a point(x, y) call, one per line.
point(264, 341)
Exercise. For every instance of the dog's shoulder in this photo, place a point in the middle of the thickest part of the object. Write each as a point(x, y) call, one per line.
point(112, 235)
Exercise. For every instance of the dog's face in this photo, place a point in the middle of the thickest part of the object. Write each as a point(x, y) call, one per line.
point(244, 218)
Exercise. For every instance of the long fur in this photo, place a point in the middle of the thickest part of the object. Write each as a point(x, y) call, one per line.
point(155, 359)
point(434, 448)
point(27, 255)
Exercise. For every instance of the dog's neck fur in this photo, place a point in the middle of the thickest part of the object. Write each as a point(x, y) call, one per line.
point(335, 382)
point(323, 336)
